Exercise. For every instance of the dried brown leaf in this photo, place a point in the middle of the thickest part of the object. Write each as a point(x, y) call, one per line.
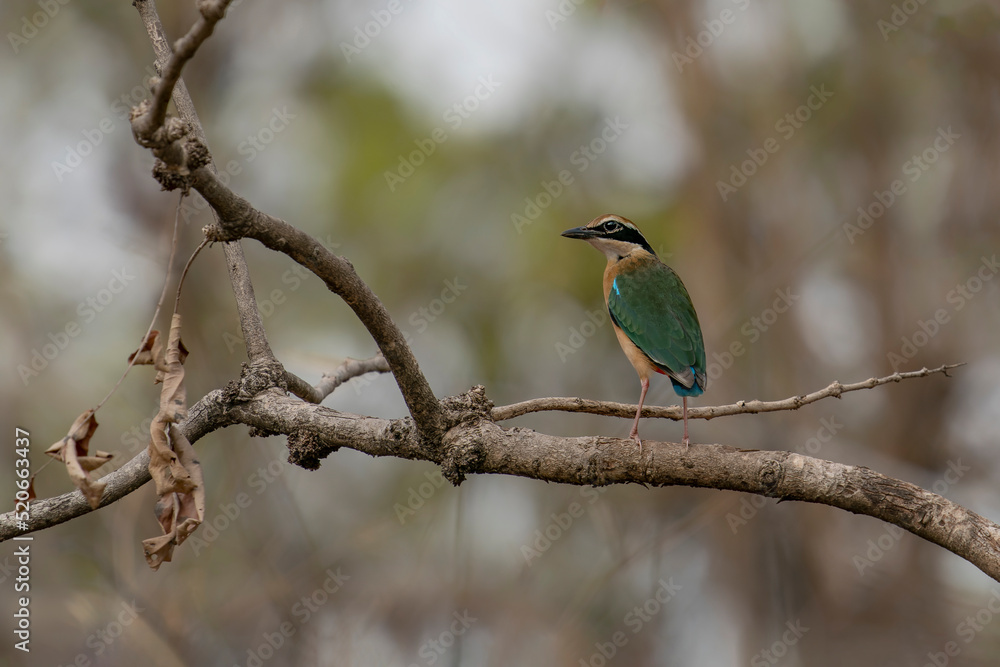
point(173, 395)
point(147, 352)
point(173, 464)
point(192, 504)
point(73, 451)
point(159, 550)
point(179, 513)
point(165, 466)
point(95, 461)
point(92, 489)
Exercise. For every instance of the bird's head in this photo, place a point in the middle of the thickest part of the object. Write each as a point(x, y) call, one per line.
point(613, 235)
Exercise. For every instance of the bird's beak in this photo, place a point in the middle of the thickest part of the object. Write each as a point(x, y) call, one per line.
point(580, 233)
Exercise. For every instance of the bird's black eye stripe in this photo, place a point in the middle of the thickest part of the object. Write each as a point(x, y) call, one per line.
point(620, 231)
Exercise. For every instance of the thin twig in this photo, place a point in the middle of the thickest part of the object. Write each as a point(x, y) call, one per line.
point(626, 411)
point(350, 368)
point(183, 50)
point(180, 283)
point(159, 304)
point(592, 460)
point(251, 322)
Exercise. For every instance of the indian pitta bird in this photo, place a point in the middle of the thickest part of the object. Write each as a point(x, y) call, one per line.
point(650, 309)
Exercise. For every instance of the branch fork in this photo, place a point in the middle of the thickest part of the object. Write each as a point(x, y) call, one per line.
point(461, 433)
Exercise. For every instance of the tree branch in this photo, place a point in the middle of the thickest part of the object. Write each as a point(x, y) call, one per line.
point(477, 445)
point(205, 416)
point(624, 410)
point(351, 368)
point(251, 322)
point(239, 219)
point(212, 11)
point(187, 164)
point(470, 440)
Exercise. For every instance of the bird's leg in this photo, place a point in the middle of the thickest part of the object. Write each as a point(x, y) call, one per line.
point(635, 425)
point(686, 441)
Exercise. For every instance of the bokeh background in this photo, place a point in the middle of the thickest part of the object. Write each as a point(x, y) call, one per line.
point(823, 175)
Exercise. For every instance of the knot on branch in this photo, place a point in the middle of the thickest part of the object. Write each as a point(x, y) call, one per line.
point(176, 161)
point(178, 151)
point(216, 233)
point(306, 450)
point(257, 377)
point(464, 452)
point(770, 474)
point(467, 418)
point(470, 406)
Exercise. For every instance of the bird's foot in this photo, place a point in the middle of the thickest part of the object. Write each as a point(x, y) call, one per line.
point(635, 436)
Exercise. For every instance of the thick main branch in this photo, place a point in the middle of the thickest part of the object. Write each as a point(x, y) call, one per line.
point(479, 446)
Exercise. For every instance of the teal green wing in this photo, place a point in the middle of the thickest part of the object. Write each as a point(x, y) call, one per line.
point(653, 308)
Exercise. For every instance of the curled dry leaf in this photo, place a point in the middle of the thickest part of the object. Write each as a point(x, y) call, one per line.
point(148, 351)
point(175, 469)
point(153, 353)
point(73, 451)
point(165, 467)
point(179, 513)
